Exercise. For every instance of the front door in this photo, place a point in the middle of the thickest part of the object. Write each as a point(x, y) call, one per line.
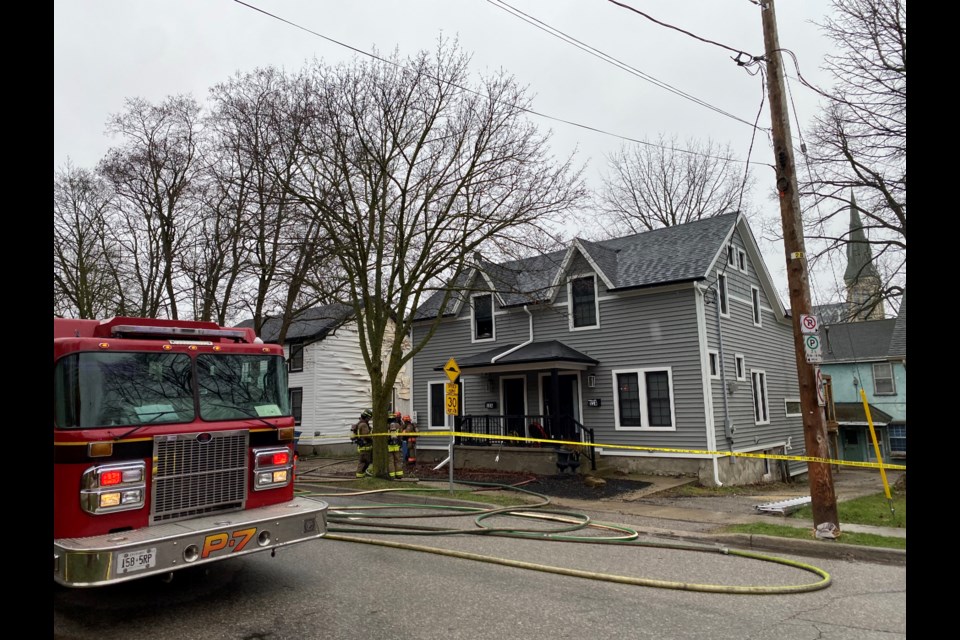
point(512, 394)
point(569, 404)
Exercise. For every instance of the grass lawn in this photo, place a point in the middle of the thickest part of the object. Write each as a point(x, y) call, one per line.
point(874, 510)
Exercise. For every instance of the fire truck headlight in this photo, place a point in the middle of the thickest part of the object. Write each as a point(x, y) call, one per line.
point(108, 500)
point(273, 468)
point(113, 487)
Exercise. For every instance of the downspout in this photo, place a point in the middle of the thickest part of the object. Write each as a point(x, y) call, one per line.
point(727, 428)
point(519, 346)
point(710, 295)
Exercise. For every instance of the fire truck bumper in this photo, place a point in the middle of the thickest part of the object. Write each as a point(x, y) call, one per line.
point(160, 549)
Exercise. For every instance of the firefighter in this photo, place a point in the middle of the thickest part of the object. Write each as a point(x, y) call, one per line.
point(364, 444)
point(393, 447)
point(409, 443)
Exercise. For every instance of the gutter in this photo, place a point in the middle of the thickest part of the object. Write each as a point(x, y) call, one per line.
point(519, 346)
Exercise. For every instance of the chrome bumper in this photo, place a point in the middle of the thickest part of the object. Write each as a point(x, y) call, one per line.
point(160, 549)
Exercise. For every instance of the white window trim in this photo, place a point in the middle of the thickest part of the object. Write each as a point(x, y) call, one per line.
point(765, 397)
point(642, 383)
point(755, 309)
point(787, 413)
point(724, 294)
point(713, 356)
point(473, 319)
point(893, 379)
point(596, 302)
point(741, 261)
point(740, 371)
point(430, 408)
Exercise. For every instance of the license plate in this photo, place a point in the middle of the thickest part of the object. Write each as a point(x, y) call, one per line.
point(130, 561)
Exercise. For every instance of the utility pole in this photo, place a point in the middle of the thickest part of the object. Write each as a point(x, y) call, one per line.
point(822, 496)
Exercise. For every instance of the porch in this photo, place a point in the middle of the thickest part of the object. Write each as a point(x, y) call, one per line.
point(511, 428)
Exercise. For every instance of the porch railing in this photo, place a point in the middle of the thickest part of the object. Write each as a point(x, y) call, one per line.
point(541, 427)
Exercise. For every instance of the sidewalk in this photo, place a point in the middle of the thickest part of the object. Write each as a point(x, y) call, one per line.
point(701, 519)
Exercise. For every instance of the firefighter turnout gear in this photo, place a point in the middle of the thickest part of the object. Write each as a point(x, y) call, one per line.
point(360, 431)
point(409, 442)
point(393, 448)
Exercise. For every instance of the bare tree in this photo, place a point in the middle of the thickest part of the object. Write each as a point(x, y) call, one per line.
point(259, 118)
point(409, 171)
point(83, 262)
point(152, 172)
point(858, 144)
point(654, 185)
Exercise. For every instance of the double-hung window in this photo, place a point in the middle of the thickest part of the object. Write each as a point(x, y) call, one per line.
point(296, 404)
point(761, 402)
point(483, 317)
point(722, 294)
point(755, 301)
point(584, 312)
point(438, 407)
point(883, 383)
point(644, 398)
point(296, 356)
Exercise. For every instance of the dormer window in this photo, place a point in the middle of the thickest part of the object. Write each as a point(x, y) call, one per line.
point(583, 302)
point(483, 317)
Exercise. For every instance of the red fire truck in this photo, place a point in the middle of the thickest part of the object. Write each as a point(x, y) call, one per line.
point(173, 447)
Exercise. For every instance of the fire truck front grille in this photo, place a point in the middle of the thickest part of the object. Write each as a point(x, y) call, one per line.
point(196, 474)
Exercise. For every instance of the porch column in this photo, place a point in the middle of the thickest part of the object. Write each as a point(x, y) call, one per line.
point(554, 403)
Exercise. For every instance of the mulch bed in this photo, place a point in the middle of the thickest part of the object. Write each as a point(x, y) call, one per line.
point(567, 485)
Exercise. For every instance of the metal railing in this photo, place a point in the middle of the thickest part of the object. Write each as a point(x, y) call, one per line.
point(539, 427)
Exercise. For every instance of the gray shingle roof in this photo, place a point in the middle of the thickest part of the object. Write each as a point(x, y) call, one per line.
point(867, 340)
point(313, 323)
point(546, 351)
point(663, 256)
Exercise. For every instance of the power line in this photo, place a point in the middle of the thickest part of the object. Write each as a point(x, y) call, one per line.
point(468, 90)
point(610, 59)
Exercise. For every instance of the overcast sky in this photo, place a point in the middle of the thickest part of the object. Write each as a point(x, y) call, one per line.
point(680, 84)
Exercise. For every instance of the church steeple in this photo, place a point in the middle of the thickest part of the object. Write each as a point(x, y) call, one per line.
point(861, 276)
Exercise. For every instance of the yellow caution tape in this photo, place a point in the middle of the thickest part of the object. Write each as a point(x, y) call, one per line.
point(698, 452)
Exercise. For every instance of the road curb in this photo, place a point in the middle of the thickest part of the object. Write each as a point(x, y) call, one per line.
point(817, 548)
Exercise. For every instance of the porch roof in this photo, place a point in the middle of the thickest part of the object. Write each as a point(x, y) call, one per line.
point(549, 354)
point(852, 413)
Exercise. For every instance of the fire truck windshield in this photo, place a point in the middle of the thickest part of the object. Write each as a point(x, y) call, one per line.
point(106, 389)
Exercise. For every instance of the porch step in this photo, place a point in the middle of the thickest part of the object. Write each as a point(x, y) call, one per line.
point(784, 507)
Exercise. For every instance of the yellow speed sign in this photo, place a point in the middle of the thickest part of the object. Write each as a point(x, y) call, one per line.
point(452, 405)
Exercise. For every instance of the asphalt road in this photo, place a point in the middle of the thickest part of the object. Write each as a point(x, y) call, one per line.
point(338, 589)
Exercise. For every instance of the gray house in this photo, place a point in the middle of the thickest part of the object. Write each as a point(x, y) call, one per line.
point(662, 349)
